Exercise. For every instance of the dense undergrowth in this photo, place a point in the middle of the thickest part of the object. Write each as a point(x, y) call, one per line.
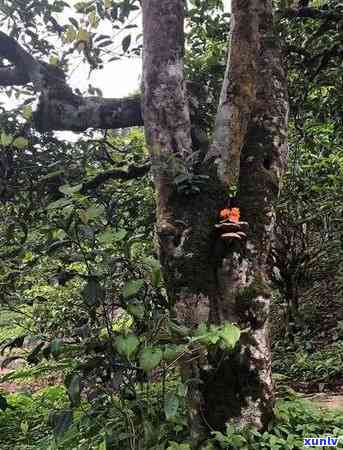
point(27, 425)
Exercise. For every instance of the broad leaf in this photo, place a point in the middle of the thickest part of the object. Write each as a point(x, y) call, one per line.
point(93, 293)
point(95, 211)
point(171, 405)
point(74, 390)
point(230, 335)
point(150, 358)
point(136, 310)
point(6, 139)
point(55, 347)
point(69, 190)
point(126, 43)
point(126, 345)
point(61, 421)
point(132, 288)
point(20, 143)
point(3, 403)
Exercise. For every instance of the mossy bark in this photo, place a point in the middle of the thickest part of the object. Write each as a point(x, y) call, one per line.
point(206, 278)
point(240, 390)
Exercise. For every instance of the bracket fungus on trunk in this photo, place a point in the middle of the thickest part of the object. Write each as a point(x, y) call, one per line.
point(230, 228)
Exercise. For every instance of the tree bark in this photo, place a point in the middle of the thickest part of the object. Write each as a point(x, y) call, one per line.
point(185, 223)
point(65, 111)
point(240, 391)
point(208, 279)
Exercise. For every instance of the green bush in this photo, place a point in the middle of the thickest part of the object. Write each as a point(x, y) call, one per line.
point(25, 425)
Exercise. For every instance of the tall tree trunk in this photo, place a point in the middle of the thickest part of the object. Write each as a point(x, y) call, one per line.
point(241, 390)
point(208, 279)
point(184, 224)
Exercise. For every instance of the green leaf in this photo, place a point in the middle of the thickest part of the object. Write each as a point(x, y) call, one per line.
point(93, 294)
point(95, 211)
point(102, 446)
point(155, 270)
point(175, 446)
point(54, 174)
point(70, 35)
point(126, 345)
point(27, 112)
point(171, 352)
point(182, 390)
point(109, 236)
point(69, 190)
point(93, 19)
point(230, 335)
point(53, 60)
point(83, 35)
point(171, 406)
point(105, 237)
point(74, 390)
point(24, 426)
point(20, 143)
point(126, 43)
point(150, 358)
point(61, 421)
point(3, 403)
point(6, 139)
point(132, 287)
point(62, 202)
point(74, 22)
point(136, 310)
point(119, 235)
point(55, 347)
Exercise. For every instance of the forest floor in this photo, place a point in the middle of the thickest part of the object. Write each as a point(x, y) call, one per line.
point(326, 400)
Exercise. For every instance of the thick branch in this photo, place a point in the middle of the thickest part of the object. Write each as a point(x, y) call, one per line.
point(238, 92)
point(21, 59)
point(116, 174)
point(59, 108)
point(80, 113)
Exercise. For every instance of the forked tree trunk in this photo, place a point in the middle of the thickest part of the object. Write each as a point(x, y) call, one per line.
point(207, 279)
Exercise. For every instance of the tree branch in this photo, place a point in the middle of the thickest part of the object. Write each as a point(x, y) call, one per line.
point(238, 95)
point(80, 113)
point(59, 108)
point(116, 174)
point(22, 60)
